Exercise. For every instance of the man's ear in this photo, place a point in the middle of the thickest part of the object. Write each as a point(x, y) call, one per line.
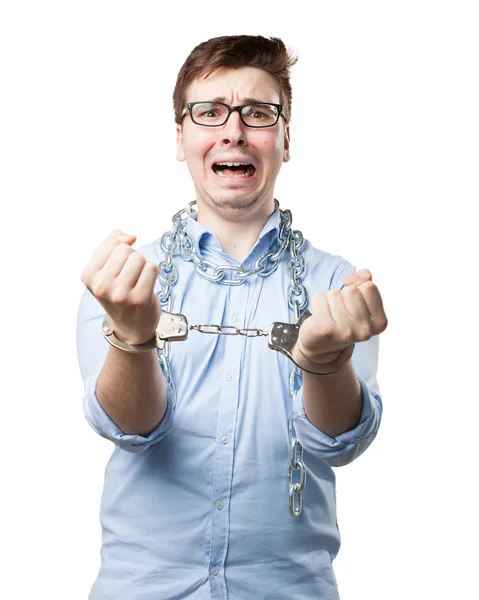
point(286, 144)
point(180, 153)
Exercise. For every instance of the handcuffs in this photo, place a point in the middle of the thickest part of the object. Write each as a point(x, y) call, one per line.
point(282, 337)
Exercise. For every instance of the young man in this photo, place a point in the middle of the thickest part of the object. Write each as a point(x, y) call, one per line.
point(220, 484)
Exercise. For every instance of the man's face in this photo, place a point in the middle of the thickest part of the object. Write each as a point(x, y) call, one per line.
point(228, 191)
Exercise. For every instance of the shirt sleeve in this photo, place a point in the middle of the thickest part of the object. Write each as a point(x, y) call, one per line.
point(346, 447)
point(92, 349)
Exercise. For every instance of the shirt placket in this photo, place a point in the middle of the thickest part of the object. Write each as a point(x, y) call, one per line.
point(234, 314)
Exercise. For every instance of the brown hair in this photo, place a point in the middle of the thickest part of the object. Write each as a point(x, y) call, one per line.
point(234, 52)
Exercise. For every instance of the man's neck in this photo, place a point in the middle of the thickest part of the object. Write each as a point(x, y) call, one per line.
point(236, 236)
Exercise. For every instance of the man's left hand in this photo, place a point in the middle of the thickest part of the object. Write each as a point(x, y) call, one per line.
point(341, 318)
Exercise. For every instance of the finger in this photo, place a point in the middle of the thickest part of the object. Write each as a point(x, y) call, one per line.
point(321, 310)
point(128, 276)
point(333, 320)
point(355, 304)
point(372, 299)
point(116, 261)
point(340, 313)
point(145, 284)
point(358, 277)
point(121, 236)
point(103, 253)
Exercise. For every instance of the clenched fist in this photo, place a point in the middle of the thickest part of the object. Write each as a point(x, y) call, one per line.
point(123, 281)
point(341, 318)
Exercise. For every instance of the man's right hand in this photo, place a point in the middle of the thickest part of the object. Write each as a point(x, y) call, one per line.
point(123, 281)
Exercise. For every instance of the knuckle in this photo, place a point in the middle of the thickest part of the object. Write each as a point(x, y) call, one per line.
point(327, 330)
point(316, 298)
point(125, 249)
point(152, 267)
point(380, 324)
point(351, 290)
point(365, 332)
point(333, 293)
point(118, 297)
point(136, 257)
point(100, 289)
point(85, 277)
point(366, 272)
point(368, 286)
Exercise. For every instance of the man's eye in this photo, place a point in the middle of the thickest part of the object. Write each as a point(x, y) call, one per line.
point(209, 113)
point(256, 114)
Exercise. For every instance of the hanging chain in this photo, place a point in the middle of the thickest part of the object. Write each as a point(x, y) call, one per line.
point(177, 241)
point(297, 300)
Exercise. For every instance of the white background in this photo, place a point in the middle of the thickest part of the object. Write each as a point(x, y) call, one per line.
point(384, 172)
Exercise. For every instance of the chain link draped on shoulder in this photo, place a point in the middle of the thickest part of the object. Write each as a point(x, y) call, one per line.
point(178, 242)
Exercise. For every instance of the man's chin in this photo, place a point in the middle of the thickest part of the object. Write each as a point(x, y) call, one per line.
point(237, 202)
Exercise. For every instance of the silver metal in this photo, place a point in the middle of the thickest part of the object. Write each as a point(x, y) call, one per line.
point(177, 241)
point(283, 337)
point(221, 330)
point(296, 463)
point(171, 327)
point(111, 338)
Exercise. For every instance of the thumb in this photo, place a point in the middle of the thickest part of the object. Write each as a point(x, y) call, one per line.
point(121, 236)
point(358, 277)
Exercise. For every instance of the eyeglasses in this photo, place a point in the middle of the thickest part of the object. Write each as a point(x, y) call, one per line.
point(215, 114)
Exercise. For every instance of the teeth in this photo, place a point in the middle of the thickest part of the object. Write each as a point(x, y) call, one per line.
point(221, 174)
point(218, 168)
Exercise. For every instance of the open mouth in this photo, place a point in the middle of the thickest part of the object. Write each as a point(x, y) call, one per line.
point(234, 169)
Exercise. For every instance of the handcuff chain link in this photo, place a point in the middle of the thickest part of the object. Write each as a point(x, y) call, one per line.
point(222, 330)
point(177, 241)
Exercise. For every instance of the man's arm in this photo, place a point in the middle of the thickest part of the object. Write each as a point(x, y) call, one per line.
point(131, 390)
point(126, 397)
point(333, 403)
point(337, 416)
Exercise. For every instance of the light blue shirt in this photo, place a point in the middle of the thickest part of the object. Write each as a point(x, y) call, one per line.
point(198, 509)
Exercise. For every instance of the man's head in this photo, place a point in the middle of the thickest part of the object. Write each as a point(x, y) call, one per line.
point(233, 71)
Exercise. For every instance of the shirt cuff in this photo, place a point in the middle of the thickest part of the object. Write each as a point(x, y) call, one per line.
point(346, 447)
point(100, 422)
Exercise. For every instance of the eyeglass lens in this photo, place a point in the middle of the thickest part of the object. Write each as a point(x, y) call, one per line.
point(215, 113)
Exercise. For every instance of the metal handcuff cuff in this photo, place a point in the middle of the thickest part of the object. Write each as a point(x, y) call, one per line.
point(282, 337)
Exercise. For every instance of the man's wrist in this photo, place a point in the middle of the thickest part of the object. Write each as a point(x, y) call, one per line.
point(333, 361)
point(320, 359)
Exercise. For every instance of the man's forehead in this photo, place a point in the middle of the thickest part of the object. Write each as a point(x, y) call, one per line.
point(245, 83)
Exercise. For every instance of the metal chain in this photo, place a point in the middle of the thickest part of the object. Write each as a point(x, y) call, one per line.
point(297, 300)
point(177, 241)
point(221, 329)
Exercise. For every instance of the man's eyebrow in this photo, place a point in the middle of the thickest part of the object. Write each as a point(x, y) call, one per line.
point(247, 100)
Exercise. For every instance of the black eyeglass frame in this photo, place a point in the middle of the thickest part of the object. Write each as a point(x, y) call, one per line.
point(189, 108)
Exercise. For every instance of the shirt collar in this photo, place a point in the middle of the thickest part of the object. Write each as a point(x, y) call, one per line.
point(204, 238)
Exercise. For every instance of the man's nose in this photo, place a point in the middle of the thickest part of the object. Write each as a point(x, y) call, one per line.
point(233, 131)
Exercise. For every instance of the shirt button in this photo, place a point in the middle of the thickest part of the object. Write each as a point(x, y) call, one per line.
point(215, 571)
point(219, 505)
point(230, 377)
point(236, 317)
point(225, 439)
